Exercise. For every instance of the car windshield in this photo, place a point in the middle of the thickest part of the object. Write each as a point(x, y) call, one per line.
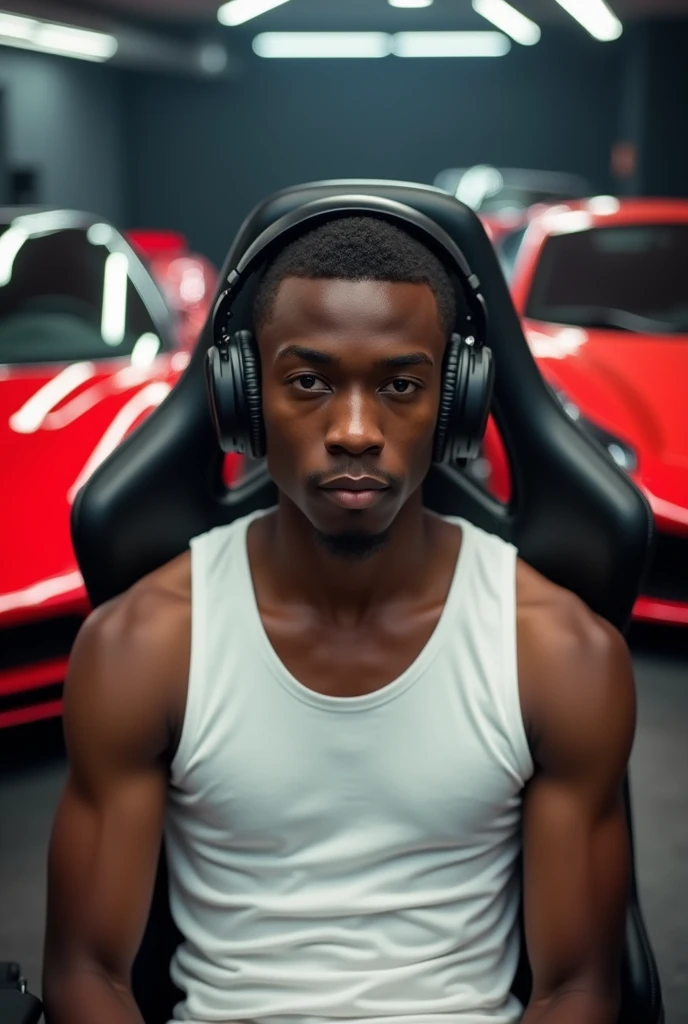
point(490, 190)
point(628, 278)
point(66, 295)
point(515, 199)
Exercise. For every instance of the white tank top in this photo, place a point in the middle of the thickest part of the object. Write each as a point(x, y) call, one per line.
point(349, 858)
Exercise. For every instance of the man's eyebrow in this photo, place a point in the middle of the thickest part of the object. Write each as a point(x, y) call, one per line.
point(310, 355)
point(314, 355)
point(411, 359)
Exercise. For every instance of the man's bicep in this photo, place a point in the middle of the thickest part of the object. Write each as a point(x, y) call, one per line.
point(576, 877)
point(106, 836)
point(102, 862)
point(576, 840)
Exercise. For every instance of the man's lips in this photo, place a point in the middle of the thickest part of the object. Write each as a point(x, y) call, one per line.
point(357, 492)
point(355, 484)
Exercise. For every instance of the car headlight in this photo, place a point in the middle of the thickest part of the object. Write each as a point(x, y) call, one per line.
point(620, 451)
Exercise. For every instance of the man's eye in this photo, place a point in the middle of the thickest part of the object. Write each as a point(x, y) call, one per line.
point(400, 387)
point(309, 382)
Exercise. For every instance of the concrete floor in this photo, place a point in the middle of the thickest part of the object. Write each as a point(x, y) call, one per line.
point(32, 771)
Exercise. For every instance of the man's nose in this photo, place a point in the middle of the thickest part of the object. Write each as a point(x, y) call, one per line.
point(355, 424)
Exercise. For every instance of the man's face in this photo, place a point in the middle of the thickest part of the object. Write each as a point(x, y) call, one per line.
point(351, 374)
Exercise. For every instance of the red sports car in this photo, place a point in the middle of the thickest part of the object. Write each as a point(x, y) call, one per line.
point(603, 292)
point(504, 198)
point(87, 350)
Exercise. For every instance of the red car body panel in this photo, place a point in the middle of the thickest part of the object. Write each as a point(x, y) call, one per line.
point(71, 438)
point(50, 448)
point(634, 386)
point(155, 242)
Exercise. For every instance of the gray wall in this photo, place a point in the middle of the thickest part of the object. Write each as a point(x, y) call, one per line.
point(200, 155)
point(65, 117)
point(664, 115)
point(158, 151)
point(4, 182)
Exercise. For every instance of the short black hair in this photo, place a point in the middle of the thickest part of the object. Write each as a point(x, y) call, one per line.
point(358, 248)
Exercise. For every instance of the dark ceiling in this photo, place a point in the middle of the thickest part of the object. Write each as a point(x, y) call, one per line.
point(362, 14)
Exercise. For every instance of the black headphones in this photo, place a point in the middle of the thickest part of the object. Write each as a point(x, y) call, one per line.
point(232, 363)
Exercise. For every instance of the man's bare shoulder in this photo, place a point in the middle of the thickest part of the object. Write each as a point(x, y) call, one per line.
point(143, 614)
point(129, 666)
point(575, 673)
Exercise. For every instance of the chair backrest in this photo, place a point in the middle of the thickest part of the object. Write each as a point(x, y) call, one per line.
point(574, 515)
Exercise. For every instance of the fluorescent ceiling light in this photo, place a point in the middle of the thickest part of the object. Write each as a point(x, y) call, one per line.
point(410, 3)
point(322, 44)
point(236, 12)
point(509, 20)
point(49, 37)
point(380, 44)
point(16, 27)
point(450, 44)
point(76, 42)
point(595, 16)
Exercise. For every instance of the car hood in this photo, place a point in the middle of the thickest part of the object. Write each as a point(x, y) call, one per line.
point(57, 424)
point(632, 385)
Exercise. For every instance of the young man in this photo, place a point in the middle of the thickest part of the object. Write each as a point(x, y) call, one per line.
point(349, 716)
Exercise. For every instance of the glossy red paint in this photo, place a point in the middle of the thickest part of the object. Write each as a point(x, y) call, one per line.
point(632, 385)
point(50, 448)
point(151, 242)
point(25, 716)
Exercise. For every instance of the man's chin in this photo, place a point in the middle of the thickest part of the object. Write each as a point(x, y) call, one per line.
point(353, 546)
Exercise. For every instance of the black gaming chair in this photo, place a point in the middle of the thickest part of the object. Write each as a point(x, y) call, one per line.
point(575, 517)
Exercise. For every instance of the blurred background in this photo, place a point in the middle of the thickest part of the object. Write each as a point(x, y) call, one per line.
point(185, 127)
point(135, 137)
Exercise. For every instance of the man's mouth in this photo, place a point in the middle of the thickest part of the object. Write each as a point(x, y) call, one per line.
point(355, 492)
point(355, 483)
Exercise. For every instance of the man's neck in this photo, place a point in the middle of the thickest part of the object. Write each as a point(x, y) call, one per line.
point(301, 568)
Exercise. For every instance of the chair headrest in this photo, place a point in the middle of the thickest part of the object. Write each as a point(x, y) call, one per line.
point(574, 516)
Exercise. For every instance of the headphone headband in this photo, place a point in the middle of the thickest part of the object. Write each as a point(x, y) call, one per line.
point(232, 364)
point(319, 211)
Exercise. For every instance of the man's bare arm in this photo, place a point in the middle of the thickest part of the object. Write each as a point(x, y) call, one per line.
point(107, 833)
point(576, 842)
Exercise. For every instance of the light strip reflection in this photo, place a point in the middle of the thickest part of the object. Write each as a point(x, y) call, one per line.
point(115, 284)
point(149, 398)
point(32, 414)
point(39, 593)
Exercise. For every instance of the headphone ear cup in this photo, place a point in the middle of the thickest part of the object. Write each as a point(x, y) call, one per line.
point(465, 401)
point(450, 380)
point(233, 387)
point(478, 401)
point(224, 399)
point(255, 426)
